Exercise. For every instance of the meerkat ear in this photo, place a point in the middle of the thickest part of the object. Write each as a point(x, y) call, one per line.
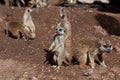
point(62, 12)
point(101, 42)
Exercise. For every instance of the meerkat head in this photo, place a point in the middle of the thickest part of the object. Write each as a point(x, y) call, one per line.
point(105, 46)
point(29, 10)
point(60, 30)
point(62, 13)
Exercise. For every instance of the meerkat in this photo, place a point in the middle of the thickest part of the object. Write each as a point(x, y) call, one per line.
point(12, 2)
point(9, 2)
point(58, 46)
point(39, 3)
point(28, 22)
point(27, 27)
point(89, 48)
point(17, 30)
point(72, 1)
point(92, 1)
point(67, 26)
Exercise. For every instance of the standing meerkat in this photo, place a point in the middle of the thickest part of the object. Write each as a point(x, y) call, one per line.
point(89, 48)
point(58, 46)
point(28, 22)
point(67, 26)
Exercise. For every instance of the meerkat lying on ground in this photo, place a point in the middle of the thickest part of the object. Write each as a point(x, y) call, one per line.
point(58, 46)
point(64, 23)
point(17, 30)
point(92, 1)
point(28, 22)
point(72, 1)
point(88, 49)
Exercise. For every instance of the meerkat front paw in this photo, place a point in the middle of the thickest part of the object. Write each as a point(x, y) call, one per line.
point(103, 64)
point(50, 48)
point(92, 66)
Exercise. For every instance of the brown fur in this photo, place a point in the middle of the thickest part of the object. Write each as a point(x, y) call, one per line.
point(39, 3)
point(88, 49)
point(11, 2)
point(67, 26)
point(58, 46)
point(15, 28)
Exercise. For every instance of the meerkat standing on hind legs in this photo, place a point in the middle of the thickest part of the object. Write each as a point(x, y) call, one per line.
point(58, 46)
point(28, 22)
point(89, 48)
point(64, 23)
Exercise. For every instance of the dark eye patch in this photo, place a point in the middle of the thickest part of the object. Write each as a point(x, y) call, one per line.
point(110, 45)
point(105, 46)
point(28, 10)
point(60, 29)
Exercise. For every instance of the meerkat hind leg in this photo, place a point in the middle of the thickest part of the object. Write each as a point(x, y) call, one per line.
point(83, 60)
point(68, 57)
point(92, 62)
point(55, 58)
point(60, 61)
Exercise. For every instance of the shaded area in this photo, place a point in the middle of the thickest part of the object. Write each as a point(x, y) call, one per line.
point(113, 7)
point(115, 3)
point(49, 57)
point(2, 2)
point(14, 3)
point(109, 8)
point(110, 24)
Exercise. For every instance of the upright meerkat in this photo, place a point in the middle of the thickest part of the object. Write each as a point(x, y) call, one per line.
point(58, 46)
point(67, 26)
point(28, 22)
point(89, 48)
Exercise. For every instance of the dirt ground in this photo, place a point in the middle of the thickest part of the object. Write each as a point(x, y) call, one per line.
point(27, 60)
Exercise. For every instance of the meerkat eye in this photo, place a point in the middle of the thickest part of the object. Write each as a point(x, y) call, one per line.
point(60, 29)
point(105, 46)
point(110, 45)
point(28, 10)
